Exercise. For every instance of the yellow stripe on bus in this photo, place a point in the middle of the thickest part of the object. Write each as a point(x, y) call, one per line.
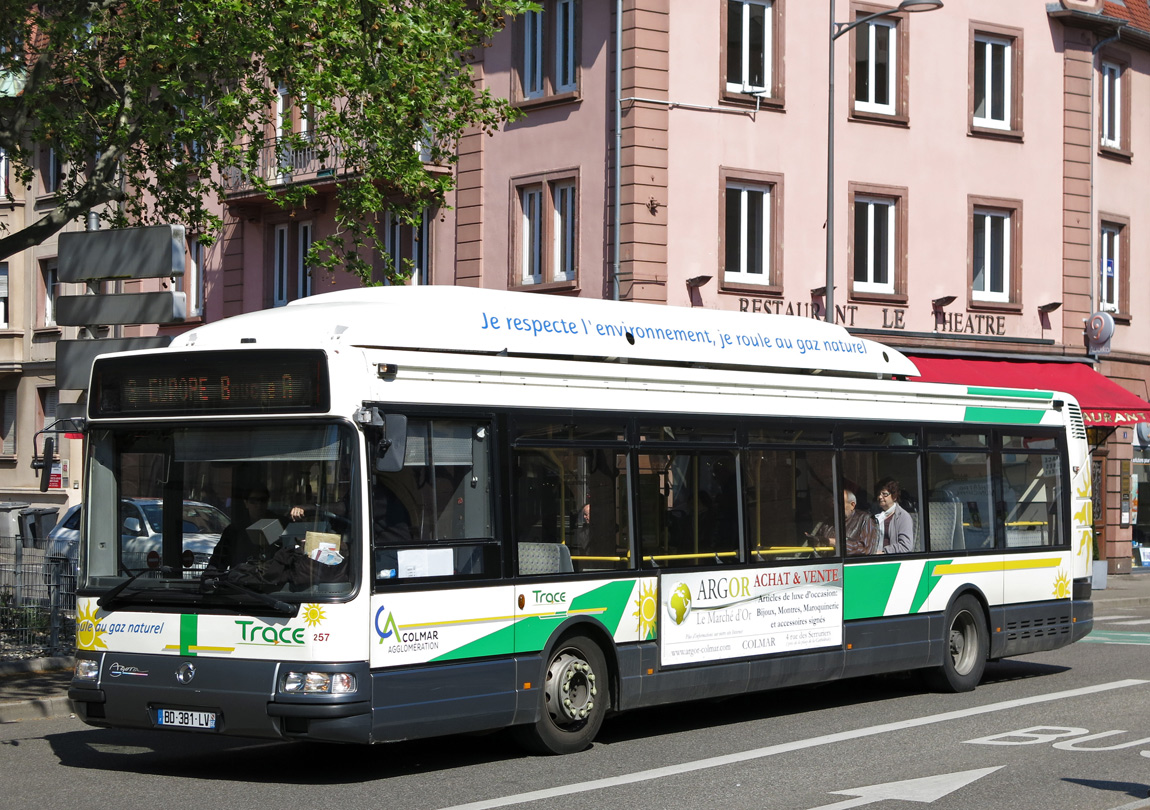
point(997, 565)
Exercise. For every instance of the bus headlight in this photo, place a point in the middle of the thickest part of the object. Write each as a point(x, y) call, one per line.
point(87, 670)
point(319, 683)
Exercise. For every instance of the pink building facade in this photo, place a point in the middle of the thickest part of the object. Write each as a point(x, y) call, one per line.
point(987, 201)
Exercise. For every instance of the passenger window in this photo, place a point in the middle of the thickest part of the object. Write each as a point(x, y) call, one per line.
point(885, 485)
point(958, 505)
point(433, 517)
point(789, 497)
point(1031, 493)
point(570, 510)
point(689, 508)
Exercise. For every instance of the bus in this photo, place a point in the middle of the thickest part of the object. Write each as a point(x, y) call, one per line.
point(453, 510)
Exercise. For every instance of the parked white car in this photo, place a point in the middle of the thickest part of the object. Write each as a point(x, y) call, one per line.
point(140, 535)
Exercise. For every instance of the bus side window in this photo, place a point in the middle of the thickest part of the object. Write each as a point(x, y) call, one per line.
point(689, 508)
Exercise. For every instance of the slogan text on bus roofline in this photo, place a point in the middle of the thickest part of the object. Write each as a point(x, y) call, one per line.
point(719, 340)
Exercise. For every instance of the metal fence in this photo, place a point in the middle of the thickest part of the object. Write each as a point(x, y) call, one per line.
point(37, 603)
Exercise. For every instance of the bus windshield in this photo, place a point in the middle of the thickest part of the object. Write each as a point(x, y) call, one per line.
point(221, 514)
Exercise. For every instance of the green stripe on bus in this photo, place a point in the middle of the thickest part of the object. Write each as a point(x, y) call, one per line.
point(189, 632)
point(926, 584)
point(607, 604)
point(1009, 416)
point(867, 589)
point(1009, 392)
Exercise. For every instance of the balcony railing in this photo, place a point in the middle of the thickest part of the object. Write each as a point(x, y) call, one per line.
point(300, 164)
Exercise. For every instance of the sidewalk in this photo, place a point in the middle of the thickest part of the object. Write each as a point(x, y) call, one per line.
point(31, 690)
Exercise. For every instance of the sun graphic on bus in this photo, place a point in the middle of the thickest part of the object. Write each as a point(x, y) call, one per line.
point(647, 610)
point(89, 636)
point(313, 615)
point(1061, 585)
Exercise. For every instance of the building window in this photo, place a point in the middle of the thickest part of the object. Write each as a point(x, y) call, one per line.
point(280, 265)
point(1113, 272)
point(751, 44)
point(877, 240)
point(8, 422)
point(49, 398)
point(874, 244)
point(547, 235)
point(51, 170)
point(995, 252)
point(51, 287)
point(996, 80)
point(303, 269)
point(407, 248)
point(191, 282)
point(1114, 108)
point(547, 45)
point(878, 64)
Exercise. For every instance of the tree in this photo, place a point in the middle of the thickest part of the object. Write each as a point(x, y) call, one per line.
point(159, 107)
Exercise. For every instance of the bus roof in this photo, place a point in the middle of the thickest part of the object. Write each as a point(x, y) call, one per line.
point(466, 319)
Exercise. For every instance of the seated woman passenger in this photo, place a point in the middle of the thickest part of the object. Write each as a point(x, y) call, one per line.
point(896, 524)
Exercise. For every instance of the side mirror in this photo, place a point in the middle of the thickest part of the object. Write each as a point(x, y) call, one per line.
point(391, 448)
point(46, 465)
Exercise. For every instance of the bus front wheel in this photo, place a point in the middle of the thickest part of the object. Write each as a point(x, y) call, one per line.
point(967, 644)
point(576, 693)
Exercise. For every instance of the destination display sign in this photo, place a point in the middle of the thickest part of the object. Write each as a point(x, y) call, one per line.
point(210, 383)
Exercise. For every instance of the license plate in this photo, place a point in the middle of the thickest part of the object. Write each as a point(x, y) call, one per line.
point(178, 718)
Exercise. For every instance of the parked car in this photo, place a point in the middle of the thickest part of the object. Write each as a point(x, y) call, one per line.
point(140, 534)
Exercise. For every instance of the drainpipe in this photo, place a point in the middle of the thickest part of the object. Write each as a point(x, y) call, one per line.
point(616, 230)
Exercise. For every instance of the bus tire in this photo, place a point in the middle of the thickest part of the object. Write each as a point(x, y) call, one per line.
point(966, 645)
point(576, 693)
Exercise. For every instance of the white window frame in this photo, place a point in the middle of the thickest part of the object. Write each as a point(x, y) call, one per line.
point(5, 169)
point(534, 81)
point(280, 245)
point(304, 238)
point(1110, 251)
point(869, 30)
point(565, 230)
point(531, 233)
point(49, 403)
point(1110, 127)
point(742, 230)
point(421, 251)
point(982, 221)
point(400, 240)
point(870, 285)
point(745, 49)
point(50, 276)
point(990, 43)
point(565, 44)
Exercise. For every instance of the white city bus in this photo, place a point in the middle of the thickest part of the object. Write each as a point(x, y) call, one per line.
point(457, 509)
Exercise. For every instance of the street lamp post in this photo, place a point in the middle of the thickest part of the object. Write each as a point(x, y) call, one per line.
point(837, 29)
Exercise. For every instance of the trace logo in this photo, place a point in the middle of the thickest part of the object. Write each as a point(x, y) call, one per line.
point(390, 629)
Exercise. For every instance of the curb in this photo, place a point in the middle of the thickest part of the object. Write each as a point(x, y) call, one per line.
point(38, 709)
point(36, 665)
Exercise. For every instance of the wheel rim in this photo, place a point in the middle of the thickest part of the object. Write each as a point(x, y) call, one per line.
point(570, 689)
point(963, 642)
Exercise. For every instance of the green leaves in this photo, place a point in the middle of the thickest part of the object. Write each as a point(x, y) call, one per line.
point(184, 98)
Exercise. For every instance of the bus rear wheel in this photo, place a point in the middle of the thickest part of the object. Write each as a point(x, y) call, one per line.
point(576, 693)
point(967, 644)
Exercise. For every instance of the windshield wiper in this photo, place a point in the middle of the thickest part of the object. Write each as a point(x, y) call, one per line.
point(209, 585)
point(107, 600)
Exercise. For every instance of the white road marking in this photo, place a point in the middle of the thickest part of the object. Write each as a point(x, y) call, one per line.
point(1136, 621)
point(786, 748)
point(1112, 618)
point(924, 790)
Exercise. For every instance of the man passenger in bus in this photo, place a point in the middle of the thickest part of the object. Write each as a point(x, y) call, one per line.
point(235, 546)
point(896, 527)
point(861, 528)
